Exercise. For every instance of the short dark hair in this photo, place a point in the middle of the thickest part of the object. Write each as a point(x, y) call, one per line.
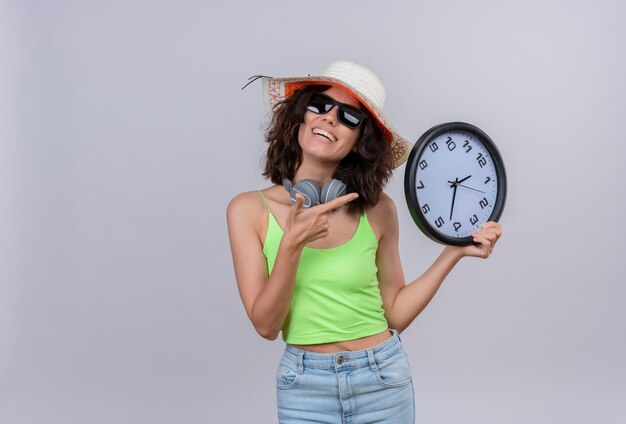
point(365, 170)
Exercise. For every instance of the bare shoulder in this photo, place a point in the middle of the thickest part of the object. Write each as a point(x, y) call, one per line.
point(383, 216)
point(383, 210)
point(245, 209)
point(244, 201)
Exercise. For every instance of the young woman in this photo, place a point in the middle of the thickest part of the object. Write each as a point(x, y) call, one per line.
point(329, 275)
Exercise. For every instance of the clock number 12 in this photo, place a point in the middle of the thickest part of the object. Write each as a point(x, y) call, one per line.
point(481, 160)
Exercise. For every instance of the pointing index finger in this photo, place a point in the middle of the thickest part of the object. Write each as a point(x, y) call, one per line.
point(299, 201)
point(338, 202)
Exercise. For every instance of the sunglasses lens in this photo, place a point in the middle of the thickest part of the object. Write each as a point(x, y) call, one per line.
point(319, 104)
point(350, 118)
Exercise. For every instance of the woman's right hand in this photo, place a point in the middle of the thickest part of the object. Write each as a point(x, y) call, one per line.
point(306, 225)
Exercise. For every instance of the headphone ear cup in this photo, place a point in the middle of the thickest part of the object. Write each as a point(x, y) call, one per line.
point(307, 188)
point(332, 189)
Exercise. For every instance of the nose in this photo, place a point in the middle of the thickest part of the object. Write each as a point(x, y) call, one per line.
point(331, 116)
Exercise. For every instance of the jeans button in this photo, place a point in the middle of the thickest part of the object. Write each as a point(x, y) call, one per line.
point(341, 360)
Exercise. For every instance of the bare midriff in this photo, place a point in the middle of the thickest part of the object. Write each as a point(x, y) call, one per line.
point(348, 345)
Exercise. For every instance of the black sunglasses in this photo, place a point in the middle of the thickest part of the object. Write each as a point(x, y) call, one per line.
point(350, 116)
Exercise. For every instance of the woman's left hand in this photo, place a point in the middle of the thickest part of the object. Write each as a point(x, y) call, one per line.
point(485, 239)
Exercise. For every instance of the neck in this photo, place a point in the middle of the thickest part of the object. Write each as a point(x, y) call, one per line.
point(319, 173)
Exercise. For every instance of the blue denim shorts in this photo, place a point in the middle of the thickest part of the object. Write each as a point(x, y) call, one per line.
point(365, 386)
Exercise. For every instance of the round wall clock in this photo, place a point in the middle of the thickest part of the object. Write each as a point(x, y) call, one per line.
point(454, 182)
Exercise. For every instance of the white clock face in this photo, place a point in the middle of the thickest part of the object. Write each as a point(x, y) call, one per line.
point(456, 183)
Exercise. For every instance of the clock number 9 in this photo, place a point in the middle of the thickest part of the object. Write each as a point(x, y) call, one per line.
point(433, 147)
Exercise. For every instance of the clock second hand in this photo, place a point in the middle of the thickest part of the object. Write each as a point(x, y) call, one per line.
point(472, 188)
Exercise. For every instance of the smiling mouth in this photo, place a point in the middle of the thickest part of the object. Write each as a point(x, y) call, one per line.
point(328, 136)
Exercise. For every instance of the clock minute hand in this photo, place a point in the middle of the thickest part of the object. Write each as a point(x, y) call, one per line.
point(455, 184)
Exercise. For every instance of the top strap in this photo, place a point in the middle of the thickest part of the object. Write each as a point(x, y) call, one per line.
point(265, 201)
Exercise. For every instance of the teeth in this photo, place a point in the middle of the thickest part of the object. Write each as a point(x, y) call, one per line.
point(325, 134)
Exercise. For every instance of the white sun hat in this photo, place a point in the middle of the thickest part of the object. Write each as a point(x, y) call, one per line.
point(359, 81)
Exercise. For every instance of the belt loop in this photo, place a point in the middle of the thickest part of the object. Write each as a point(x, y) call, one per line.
point(395, 333)
point(372, 361)
point(300, 362)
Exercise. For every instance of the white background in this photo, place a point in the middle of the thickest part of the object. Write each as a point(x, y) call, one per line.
point(124, 134)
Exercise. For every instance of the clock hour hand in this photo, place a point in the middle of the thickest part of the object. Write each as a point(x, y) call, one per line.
point(466, 178)
point(456, 182)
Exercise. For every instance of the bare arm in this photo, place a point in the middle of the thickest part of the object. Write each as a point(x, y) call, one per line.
point(267, 298)
point(403, 303)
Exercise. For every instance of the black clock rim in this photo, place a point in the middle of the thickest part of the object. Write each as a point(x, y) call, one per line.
point(411, 171)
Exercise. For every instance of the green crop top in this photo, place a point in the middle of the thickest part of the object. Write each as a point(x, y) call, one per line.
point(336, 296)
